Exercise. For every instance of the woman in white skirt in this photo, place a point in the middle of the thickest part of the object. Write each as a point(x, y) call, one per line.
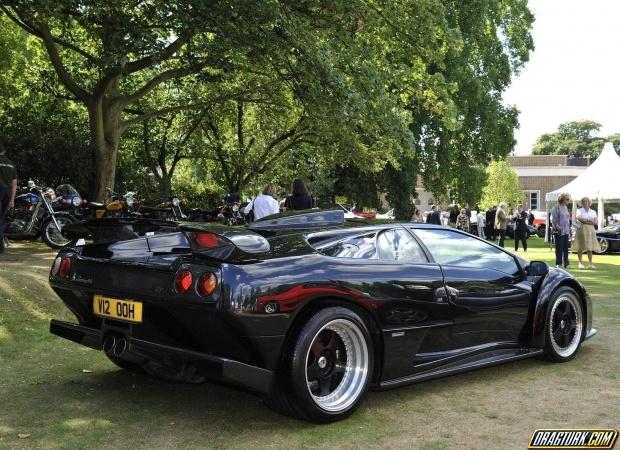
point(585, 239)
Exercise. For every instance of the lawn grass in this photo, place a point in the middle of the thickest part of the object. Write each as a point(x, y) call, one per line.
point(45, 394)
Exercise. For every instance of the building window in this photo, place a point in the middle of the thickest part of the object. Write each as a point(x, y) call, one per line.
point(532, 199)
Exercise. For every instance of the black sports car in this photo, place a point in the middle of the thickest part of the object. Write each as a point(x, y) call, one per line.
point(310, 313)
point(609, 238)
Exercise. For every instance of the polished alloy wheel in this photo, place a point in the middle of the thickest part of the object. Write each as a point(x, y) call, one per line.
point(604, 245)
point(566, 325)
point(337, 365)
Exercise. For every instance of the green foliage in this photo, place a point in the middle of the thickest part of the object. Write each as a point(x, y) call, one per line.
point(575, 139)
point(502, 185)
point(387, 89)
point(495, 43)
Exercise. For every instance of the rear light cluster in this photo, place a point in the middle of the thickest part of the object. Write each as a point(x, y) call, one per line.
point(203, 240)
point(205, 285)
point(61, 267)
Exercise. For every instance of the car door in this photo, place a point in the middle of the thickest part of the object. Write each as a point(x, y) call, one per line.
point(487, 291)
point(415, 315)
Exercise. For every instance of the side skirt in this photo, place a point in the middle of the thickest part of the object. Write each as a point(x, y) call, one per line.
point(478, 362)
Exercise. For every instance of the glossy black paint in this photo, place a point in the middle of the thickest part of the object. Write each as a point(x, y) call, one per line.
point(612, 235)
point(425, 318)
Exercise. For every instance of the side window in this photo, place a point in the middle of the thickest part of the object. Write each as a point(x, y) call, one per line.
point(360, 247)
point(398, 245)
point(456, 249)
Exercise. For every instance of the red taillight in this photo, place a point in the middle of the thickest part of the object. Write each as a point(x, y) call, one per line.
point(207, 240)
point(65, 267)
point(207, 284)
point(84, 201)
point(64, 201)
point(183, 281)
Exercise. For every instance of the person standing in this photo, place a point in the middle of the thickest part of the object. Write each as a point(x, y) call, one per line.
point(417, 216)
point(480, 222)
point(454, 214)
point(299, 198)
point(264, 204)
point(501, 222)
point(520, 228)
point(585, 239)
point(560, 222)
point(490, 216)
point(8, 188)
point(462, 221)
point(434, 216)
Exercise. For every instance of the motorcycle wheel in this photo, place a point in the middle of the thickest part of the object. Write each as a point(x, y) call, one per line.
point(52, 237)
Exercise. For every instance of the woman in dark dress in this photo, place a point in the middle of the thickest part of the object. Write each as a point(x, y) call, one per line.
point(299, 198)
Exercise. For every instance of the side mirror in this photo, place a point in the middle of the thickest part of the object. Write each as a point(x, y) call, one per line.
point(537, 269)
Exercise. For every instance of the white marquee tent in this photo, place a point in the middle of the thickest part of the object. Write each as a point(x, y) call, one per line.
point(600, 182)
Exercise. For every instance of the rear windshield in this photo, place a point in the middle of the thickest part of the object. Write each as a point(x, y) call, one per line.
point(359, 247)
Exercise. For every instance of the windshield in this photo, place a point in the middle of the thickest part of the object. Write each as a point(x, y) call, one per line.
point(66, 190)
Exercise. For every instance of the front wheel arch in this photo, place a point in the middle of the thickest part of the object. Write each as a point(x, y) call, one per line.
point(551, 351)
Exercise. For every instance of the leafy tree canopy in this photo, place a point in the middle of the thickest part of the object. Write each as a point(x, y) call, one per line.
point(502, 186)
point(575, 139)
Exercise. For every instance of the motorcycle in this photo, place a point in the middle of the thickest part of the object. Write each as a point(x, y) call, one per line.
point(169, 210)
point(230, 214)
point(116, 205)
point(34, 215)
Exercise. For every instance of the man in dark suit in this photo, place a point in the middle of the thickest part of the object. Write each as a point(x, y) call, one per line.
point(490, 223)
point(434, 216)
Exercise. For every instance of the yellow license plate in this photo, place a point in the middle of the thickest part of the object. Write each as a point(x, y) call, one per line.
point(117, 309)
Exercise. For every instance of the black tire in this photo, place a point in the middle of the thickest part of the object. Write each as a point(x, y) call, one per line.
point(327, 368)
point(48, 232)
point(565, 325)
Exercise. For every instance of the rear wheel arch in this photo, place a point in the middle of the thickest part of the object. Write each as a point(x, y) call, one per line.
point(313, 306)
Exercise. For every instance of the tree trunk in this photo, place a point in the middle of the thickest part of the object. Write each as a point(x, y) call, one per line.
point(104, 134)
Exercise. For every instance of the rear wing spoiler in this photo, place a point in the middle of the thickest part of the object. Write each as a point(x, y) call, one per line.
point(215, 241)
point(129, 234)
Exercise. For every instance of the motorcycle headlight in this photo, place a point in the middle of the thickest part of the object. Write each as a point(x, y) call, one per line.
point(77, 201)
point(176, 201)
point(235, 208)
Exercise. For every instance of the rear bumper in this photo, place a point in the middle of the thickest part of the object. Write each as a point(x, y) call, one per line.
point(246, 375)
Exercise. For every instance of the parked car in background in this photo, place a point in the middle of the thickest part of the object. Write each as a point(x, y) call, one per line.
point(609, 238)
point(540, 221)
point(388, 215)
point(348, 213)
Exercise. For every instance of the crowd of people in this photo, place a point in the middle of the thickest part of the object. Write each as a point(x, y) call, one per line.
point(490, 224)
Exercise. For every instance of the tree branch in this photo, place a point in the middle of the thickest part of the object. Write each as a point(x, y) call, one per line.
point(198, 105)
point(59, 66)
point(155, 58)
point(31, 30)
point(161, 78)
